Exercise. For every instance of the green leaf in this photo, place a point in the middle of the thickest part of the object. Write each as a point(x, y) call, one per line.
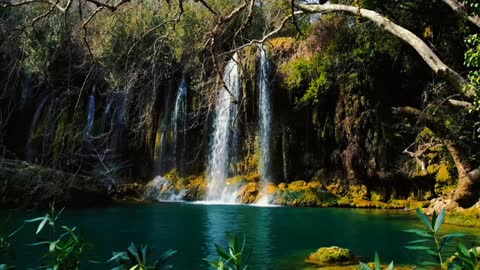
point(428, 263)
point(390, 266)
point(419, 241)
point(35, 219)
point(222, 252)
point(117, 255)
point(417, 247)
point(461, 248)
point(424, 219)
point(419, 232)
point(439, 220)
point(40, 243)
point(52, 246)
point(42, 224)
point(378, 266)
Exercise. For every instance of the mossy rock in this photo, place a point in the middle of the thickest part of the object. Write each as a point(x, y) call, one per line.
point(297, 185)
point(332, 256)
point(236, 180)
point(248, 193)
point(197, 188)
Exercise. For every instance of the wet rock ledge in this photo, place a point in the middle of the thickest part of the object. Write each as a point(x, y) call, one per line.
point(30, 186)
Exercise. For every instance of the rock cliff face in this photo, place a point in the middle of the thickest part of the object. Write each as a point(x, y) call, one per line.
point(26, 185)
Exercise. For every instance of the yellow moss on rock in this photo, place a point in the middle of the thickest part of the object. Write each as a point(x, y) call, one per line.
point(331, 256)
point(443, 175)
point(297, 184)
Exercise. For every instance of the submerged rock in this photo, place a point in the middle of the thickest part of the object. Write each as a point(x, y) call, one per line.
point(332, 256)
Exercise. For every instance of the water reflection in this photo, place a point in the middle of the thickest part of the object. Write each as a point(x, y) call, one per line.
point(252, 222)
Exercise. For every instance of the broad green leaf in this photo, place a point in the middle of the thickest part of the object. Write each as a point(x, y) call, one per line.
point(461, 248)
point(42, 224)
point(439, 220)
point(377, 262)
point(424, 219)
point(222, 252)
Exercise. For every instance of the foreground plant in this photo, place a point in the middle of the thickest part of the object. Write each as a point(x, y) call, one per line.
point(465, 259)
point(136, 258)
point(432, 243)
point(234, 258)
point(66, 247)
point(7, 234)
point(378, 265)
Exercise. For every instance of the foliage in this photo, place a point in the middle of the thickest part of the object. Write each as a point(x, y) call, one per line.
point(233, 259)
point(66, 247)
point(472, 61)
point(136, 258)
point(378, 265)
point(473, 7)
point(466, 259)
point(432, 243)
point(7, 234)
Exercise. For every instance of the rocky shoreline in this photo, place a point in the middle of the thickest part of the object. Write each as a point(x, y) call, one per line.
point(23, 185)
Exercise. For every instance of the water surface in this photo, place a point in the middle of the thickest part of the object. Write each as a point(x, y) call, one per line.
point(279, 237)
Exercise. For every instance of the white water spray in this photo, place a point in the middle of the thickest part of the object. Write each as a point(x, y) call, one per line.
point(219, 158)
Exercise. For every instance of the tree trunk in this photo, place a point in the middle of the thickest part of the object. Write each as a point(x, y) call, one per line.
point(467, 191)
point(433, 61)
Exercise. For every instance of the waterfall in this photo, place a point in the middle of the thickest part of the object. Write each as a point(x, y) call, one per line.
point(179, 120)
point(106, 125)
point(90, 117)
point(26, 92)
point(48, 132)
point(33, 126)
point(119, 125)
point(265, 118)
point(225, 113)
point(163, 140)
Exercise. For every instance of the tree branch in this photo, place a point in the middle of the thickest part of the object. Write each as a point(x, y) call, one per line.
point(433, 61)
point(459, 8)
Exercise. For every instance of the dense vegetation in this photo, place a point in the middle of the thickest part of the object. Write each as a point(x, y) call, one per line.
point(358, 112)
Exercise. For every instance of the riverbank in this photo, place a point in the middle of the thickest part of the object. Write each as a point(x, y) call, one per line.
point(24, 185)
point(31, 186)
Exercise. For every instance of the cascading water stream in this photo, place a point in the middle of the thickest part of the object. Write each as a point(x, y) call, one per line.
point(265, 118)
point(90, 117)
point(163, 140)
point(179, 120)
point(27, 89)
point(225, 112)
point(106, 121)
point(119, 125)
point(33, 126)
